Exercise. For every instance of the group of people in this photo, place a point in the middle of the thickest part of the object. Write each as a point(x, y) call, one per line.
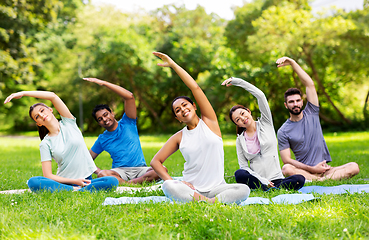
point(200, 143)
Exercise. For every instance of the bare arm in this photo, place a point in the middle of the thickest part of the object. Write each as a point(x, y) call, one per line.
point(94, 155)
point(170, 147)
point(55, 100)
point(306, 80)
point(47, 172)
point(129, 100)
point(207, 112)
point(321, 167)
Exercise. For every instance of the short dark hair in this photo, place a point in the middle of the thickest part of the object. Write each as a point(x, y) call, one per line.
point(183, 97)
point(42, 130)
point(239, 130)
point(292, 91)
point(98, 108)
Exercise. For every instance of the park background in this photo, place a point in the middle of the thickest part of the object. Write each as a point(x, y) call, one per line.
point(50, 45)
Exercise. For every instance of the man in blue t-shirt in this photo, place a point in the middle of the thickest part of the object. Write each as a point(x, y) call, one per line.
point(302, 133)
point(121, 140)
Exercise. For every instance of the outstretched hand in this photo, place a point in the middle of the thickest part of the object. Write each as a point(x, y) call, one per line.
point(228, 82)
point(167, 61)
point(284, 61)
point(13, 95)
point(94, 80)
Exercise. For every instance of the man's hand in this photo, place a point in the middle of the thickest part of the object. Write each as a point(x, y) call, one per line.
point(284, 61)
point(321, 167)
point(271, 184)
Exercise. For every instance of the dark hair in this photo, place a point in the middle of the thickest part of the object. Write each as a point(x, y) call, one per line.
point(184, 97)
point(239, 130)
point(42, 130)
point(98, 108)
point(292, 91)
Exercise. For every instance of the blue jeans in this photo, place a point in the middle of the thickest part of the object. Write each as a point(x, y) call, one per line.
point(39, 183)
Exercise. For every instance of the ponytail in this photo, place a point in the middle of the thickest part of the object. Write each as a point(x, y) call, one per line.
point(42, 130)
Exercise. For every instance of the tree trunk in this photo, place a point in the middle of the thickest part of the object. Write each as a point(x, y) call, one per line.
point(366, 110)
point(315, 74)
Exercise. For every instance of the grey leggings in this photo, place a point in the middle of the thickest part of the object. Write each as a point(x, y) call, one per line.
point(225, 193)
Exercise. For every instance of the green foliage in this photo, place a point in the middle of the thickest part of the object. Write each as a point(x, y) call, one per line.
point(50, 45)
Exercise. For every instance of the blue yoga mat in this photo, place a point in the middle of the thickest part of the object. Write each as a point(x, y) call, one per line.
point(336, 189)
point(280, 199)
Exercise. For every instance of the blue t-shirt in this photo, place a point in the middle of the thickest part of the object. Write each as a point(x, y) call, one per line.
point(123, 144)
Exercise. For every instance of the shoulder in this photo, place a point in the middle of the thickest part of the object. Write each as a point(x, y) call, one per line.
point(125, 120)
point(311, 108)
point(282, 130)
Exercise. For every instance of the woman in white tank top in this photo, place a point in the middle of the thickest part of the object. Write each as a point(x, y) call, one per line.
point(200, 143)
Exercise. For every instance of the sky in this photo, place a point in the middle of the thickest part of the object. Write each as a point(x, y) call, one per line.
point(221, 7)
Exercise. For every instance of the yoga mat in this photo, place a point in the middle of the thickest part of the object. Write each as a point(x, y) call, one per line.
point(280, 199)
point(348, 188)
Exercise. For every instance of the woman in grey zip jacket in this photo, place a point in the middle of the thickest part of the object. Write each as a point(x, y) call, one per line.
point(257, 144)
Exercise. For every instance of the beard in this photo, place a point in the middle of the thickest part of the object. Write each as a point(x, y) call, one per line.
point(294, 112)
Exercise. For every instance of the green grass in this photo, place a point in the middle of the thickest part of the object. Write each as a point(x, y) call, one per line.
point(76, 215)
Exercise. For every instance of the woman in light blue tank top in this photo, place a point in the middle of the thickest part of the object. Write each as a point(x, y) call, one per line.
point(63, 142)
point(201, 145)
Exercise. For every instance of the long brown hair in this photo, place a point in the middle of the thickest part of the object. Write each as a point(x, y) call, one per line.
point(239, 130)
point(42, 130)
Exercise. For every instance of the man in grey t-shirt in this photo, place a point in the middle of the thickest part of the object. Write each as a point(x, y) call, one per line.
point(303, 134)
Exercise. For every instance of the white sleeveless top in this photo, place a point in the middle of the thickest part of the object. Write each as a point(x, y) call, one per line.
point(203, 152)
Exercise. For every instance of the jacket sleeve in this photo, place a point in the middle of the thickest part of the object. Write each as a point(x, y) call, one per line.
point(244, 163)
point(266, 114)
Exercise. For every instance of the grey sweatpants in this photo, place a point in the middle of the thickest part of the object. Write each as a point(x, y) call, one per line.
point(225, 193)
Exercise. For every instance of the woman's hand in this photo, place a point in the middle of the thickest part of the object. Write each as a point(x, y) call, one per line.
point(13, 95)
point(228, 82)
point(82, 182)
point(167, 61)
point(271, 184)
point(284, 61)
point(189, 184)
point(94, 80)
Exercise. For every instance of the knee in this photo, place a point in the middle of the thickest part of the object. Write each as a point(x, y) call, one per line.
point(34, 182)
point(240, 174)
point(354, 168)
point(103, 173)
point(288, 170)
point(112, 181)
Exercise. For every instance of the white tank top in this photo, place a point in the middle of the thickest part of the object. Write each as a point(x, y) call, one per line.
point(203, 152)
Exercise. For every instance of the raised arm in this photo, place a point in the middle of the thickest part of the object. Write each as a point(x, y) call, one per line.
point(128, 98)
point(306, 80)
point(55, 100)
point(256, 92)
point(207, 112)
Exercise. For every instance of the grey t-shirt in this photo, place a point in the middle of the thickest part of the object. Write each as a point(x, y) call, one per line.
point(305, 137)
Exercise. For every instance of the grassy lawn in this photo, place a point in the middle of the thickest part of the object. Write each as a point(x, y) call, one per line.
point(75, 215)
